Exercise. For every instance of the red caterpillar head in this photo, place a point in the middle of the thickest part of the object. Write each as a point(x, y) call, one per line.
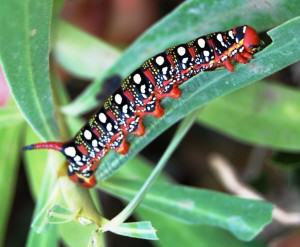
point(251, 40)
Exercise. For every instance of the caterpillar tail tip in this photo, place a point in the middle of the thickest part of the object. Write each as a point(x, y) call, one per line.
point(28, 147)
point(57, 146)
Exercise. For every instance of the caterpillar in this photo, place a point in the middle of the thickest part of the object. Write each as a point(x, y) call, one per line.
point(140, 94)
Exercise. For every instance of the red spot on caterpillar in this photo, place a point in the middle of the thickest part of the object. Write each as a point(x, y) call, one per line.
point(149, 75)
point(96, 131)
point(111, 115)
point(129, 96)
point(82, 149)
point(192, 52)
point(170, 59)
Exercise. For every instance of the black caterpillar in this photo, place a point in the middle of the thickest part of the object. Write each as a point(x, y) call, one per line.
point(141, 92)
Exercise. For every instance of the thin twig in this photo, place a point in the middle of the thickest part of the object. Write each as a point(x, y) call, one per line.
point(228, 177)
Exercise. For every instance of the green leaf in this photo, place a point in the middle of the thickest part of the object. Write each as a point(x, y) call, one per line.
point(141, 229)
point(9, 148)
point(194, 236)
point(205, 87)
point(24, 51)
point(242, 217)
point(191, 19)
point(80, 53)
point(263, 114)
point(9, 115)
point(76, 235)
point(168, 227)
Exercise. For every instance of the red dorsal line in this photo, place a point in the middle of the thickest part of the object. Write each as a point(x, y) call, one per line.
point(111, 115)
point(150, 77)
point(192, 52)
point(129, 96)
point(45, 145)
point(170, 59)
point(96, 131)
point(83, 150)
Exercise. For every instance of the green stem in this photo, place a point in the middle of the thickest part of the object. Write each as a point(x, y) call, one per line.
point(128, 210)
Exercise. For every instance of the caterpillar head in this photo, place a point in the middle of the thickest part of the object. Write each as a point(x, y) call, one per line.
point(251, 40)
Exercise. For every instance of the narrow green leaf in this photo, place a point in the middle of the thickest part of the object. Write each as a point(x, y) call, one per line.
point(191, 19)
point(242, 217)
point(168, 227)
point(24, 51)
point(205, 87)
point(141, 229)
point(263, 114)
point(9, 148)
point(177, 234)
point(80, 53)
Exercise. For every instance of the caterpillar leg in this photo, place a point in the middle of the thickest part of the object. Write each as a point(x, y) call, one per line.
point(140, 130)
point(86, 182)
point(174, 93)
point(123, 148)
point(228, 65)
point(240, 59)
point(158, 111)
point(247, 55)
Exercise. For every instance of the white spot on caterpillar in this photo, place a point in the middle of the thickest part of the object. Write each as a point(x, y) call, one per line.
point(102, 117)
point(143, 88)
point(77, 158)
point(165, 70)
point(244, 29)
point(230, 33)
point(94, 143)
point(181, 50)
point(219, 37)
point(160, 60)
point(137, 78)
point(109, 127)
point(70, 151)
point(118, 99)
point(87, 134)
point(125, 108)
point(184, 60)
point(201, 43)
point(206, 53)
